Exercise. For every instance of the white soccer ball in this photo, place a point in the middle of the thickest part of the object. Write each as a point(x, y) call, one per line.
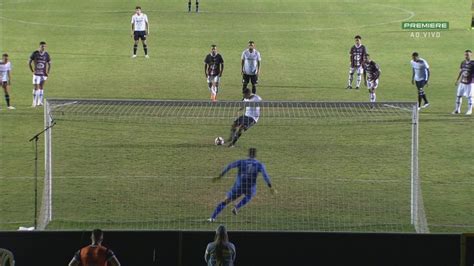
point(219, 141)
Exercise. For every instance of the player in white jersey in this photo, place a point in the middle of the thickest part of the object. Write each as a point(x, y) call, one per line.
point(420, 77)
point(197, 6)
point(140, 30)
point(247, 120)
point(250, 67)
point(464, 82)
point(6, 78)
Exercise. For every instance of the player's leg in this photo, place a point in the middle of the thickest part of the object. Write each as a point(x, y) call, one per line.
point(245, 81)
point(135, 43)
point(232, 195)
point(145, 46)
point(351, 77)
point(189, 6)
point(209, 85)
point(457, 108)
point(254, 80)
point(41, 91)
point(360, 71)
point(221, 206)
point(237, 132)
point(35, 90)
point(371, 95)
point(459, 94)
point(469, 105)
point(6, 90)
point(248, 197)
point(468, 93)
point(372, 88)
point(233, 128)
point(214, 90)
point(247, 123)
point(197, 6)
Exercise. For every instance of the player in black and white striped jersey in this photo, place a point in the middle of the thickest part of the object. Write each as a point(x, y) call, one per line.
point(356, 57)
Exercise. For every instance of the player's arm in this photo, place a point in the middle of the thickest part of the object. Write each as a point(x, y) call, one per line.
point(227, 169)
point(428, 74)
point(207, 255)
point(413, 75)
point(29, 63)
point(205, 69)
point(113, 261)
point(259, 63)
point(365, 78)
point(147, 32)
point(48, 67)
point(242, 65)
point(133, 28)
point(75, 261)
point(459, 76)
point(267, 179)
point(9, 77)
point(221, 65)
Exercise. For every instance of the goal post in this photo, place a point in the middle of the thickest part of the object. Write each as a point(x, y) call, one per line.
point(148, 164)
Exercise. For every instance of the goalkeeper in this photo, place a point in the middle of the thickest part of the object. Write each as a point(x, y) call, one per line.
point(245, 184)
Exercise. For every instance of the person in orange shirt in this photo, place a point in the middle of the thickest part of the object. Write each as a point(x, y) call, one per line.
point(95, 254)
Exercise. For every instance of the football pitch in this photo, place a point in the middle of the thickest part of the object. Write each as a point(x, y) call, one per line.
point(304, 47)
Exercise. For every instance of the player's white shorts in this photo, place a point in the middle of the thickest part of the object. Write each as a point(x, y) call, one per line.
point(215, 79)
point(359, 70)
point(465, 90)
point(39, 79)
point(372, 84)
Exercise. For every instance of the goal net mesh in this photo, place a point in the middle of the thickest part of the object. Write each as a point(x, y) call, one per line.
point(130, 164)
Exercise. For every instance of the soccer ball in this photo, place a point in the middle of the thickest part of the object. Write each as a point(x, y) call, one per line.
point(219, 141)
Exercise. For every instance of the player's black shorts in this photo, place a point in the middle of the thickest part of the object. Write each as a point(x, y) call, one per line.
point(245, 121)
point(250, 78)
point(420, 84)
point(139, 35)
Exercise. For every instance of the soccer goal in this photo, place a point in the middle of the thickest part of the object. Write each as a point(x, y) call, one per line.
point(148, 164)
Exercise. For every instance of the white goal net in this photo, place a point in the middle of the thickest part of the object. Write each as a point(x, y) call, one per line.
point(144, 164)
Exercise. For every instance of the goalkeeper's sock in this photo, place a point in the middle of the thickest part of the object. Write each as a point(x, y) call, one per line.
point(218, 210)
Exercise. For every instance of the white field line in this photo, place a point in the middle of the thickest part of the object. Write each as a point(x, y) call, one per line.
point(411, 14)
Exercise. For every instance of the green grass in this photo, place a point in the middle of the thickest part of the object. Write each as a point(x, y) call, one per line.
point(304, 46)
